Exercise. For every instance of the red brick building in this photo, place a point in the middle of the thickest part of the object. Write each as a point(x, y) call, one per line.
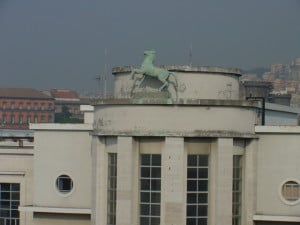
point(21, 106)
point(69, 99)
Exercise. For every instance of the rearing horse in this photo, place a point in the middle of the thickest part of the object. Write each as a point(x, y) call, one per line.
point(148, 69)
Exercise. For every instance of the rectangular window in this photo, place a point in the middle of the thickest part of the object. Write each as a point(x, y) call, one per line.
point(20, 119)
point(3, 118)
point(28, 119)
point(20, 105)
point(12, 105)
point(28, 105)
point(12, 119)
point(4, 105)
point(9, 203)
point(197, 190)
point(150, 189)
point(112, 188)
point(237, 190)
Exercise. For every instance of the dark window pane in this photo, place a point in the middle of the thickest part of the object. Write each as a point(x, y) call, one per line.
point(144, 220)
point(156, 160)
point(145, 172)
point(203, 160)
point(192, 160)
point(202, 185)
point(155, 197)
point(145, 197)
point(155, 185)
point(155, 221)
point(192, 173)
point(15, 187)
point(202, 173)
point(145, 159)
point(191, 221)
point(155, 210)
point(202, 198)
point(191, 210)
point(191, 198)
point(192, 185)
point(145, 209)
point(202, 210)
point(202, 221)
point(145, 184)
point(15, 196)
point(5, 196)
point(5, 187)
point(155, 172)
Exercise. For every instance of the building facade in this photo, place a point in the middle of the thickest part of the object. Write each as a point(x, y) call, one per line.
point(21, 106)
point(193, 153)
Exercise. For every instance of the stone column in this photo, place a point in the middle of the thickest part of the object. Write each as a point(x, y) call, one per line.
point(249, 188)
point(99, 181)
point(173, 182)
point(127, 179)
point(220, 209)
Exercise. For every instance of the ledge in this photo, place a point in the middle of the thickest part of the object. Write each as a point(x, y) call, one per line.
point(61, 126)
point(16, 151)
point(276, 218)
point(184, 68)
point(12, 173)
point(277, 129)
point(180, 102)
point(196, 133)
point(54, 210)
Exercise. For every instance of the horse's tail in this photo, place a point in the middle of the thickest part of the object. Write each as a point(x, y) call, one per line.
point(175, 78)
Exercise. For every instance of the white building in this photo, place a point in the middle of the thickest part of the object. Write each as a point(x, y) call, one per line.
point(195, 156)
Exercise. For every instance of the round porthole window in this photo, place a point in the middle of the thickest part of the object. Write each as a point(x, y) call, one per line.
point(290, 192)
point(64, 184)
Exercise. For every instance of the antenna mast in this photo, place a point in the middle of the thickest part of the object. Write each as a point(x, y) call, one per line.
point(105, 73)
point(190, 55)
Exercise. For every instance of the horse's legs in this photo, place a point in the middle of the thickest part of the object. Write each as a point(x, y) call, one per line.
point(164, 85)
point(142, 80)
point(134, 71)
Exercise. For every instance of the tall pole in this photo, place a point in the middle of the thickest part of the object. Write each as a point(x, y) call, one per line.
point(105, 73)
point(190, 55)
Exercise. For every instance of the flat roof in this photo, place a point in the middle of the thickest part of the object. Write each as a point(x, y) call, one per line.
point(277, 129)
point(16, 133)
point(185, 68)
point(61, 126)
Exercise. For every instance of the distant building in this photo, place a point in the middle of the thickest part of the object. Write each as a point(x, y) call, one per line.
point(256, 89)
point(21, 106)
point(294, 70)
point(69, 99)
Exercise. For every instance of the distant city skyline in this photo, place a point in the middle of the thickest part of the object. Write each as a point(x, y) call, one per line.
point(61, 44)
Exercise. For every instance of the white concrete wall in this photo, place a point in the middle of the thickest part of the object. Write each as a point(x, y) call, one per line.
point(191, 85)
point(172, 120)
point(16, 166)
point(277, 161)
point(60, 152)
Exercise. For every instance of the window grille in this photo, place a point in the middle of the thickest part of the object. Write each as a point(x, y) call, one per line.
point(197, 190)
point(150, 189)
point(237, 190)
point(9, 203)
point(111, 188)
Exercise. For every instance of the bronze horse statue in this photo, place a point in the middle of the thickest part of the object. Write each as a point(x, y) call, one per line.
point(148, 69)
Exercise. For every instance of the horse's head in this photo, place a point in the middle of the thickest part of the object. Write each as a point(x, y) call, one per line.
point(150, 54)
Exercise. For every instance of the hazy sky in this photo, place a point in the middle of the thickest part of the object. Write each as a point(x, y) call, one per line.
point(60, 43)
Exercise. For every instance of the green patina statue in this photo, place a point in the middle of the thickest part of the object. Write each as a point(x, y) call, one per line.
point(148, 69)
